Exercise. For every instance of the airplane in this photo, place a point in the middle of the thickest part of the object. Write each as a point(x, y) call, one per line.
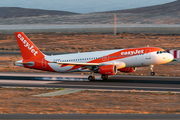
point(107, 62)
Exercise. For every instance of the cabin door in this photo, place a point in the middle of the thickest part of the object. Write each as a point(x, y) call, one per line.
point(148, 54)
point(44, 63)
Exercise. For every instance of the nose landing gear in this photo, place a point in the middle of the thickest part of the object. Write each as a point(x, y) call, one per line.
point(151, 68)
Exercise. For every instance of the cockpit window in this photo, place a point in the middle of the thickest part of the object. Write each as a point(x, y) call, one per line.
point(160, 52)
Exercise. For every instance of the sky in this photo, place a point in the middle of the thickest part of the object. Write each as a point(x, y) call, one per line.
point(81, 6)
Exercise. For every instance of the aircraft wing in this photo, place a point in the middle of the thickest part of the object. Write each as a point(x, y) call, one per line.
point(118, 64)
point(79, 64)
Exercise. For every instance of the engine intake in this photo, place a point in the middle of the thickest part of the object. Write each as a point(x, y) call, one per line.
point(108, 70)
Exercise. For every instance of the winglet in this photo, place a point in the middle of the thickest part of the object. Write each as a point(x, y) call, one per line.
point(28, 49)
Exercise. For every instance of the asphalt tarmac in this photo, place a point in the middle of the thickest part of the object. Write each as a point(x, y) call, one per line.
point(77, 81)
point(103, 28)
point(91, 116)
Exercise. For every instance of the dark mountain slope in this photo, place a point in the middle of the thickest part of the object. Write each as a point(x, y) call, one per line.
point(12, 12)
point(164, 8)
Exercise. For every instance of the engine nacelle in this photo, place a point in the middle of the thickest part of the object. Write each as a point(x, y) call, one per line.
point(108, 70)
point(128, 70)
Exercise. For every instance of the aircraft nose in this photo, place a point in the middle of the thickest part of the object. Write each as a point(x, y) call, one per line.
point(171, 57)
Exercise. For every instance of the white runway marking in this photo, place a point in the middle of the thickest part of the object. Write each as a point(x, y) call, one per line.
point(60, 92)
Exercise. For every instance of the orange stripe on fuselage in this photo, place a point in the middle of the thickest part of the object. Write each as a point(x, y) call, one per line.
point(125, 53)
point(65, 65)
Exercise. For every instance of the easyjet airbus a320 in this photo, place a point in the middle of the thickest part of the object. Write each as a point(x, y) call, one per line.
point(104, 62)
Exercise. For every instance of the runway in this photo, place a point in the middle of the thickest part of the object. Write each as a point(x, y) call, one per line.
point(103, 28)
point(92, 116)
point(78, 81)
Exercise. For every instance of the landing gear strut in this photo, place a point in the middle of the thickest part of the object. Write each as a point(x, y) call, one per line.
point(91, 77)
point(151, 68)
point(104, 77)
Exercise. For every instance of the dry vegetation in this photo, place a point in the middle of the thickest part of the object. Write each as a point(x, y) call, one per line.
point(73, 42)
point(88, 102)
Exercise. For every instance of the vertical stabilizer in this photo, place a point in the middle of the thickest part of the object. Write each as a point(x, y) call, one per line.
point(28, 49)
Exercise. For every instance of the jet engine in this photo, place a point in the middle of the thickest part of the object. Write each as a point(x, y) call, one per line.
point(108, 70)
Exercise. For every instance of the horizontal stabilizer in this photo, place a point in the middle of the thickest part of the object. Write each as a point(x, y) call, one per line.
point(25, 63)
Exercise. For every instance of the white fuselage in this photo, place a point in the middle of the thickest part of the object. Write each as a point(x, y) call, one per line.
point(131, 60)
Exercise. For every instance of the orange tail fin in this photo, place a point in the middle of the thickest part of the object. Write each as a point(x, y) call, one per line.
point(28, 49)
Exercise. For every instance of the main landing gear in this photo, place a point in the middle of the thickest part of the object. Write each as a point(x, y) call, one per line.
point(92, 77)
point(104, 77)
point(151, 68)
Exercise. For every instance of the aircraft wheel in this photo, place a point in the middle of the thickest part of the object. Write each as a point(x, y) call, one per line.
point(152, 73)
point(104, 77)
point(91, 78)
